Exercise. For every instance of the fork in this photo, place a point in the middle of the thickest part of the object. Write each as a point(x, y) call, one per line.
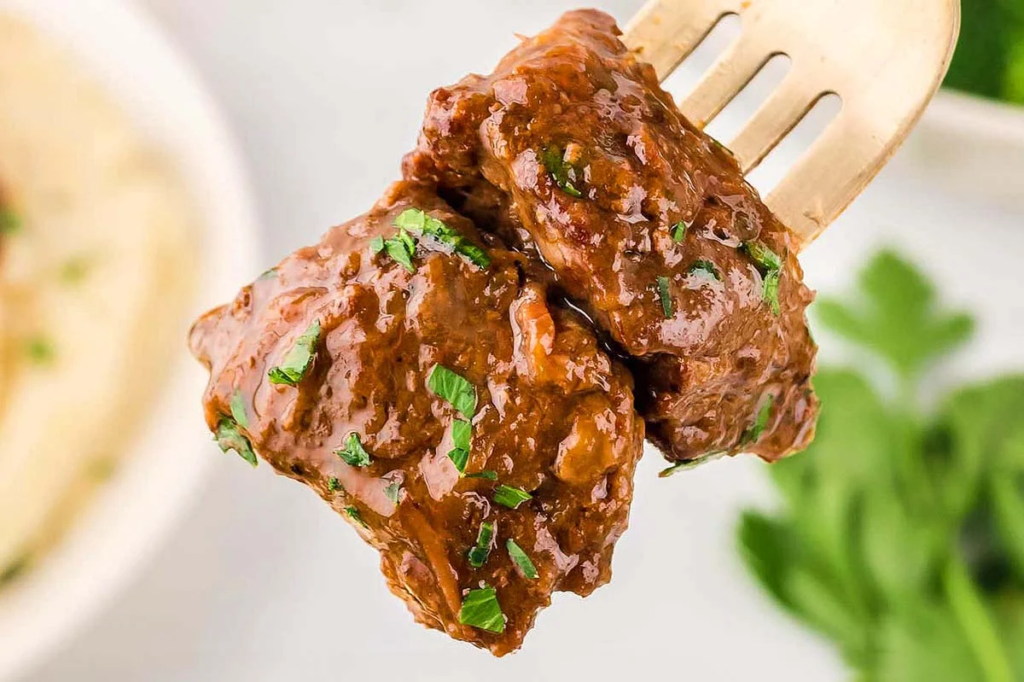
point(885, 59)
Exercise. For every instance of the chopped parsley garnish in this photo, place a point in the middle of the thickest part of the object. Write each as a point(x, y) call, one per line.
point(480, 609)
point(486, 475)
point(401, 249)
point(484, 539)
point(691, 464)
point(268, 274)
point(770, 265)
point(706, 267)
point(376, 245)
point(563, 173)
point(354, 454)
point(510, 497)
point(14, 569)
point(459, 393)
point(419, 222)
point(40, 351)
point(521, 559)
point(392, 491)
point(333, 484)
point(679, 231)
point(665, 293)
point(462, 438)
point(354, 514)
point(10, 222)
point(238, 410)
point(299, 359)
point(230, 438)
point(755, 432)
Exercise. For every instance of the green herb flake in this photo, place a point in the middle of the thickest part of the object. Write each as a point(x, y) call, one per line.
point(392, 491)
point(333, 484)
point(691, 464)
point(457, 391)
point(664, 291)
point(238, 410)
point(268, 274)
point(480, 609)
point(40, 351)
point(229, 437)
point(354, 454)
point(15, 569)
point(400, 251)
point(764, 413)
point(484, 540)
point(679, 231)
point(487, 475)
point(521, 559)
point(299, 359)
point(762, 254)
point(771, 290)
point(564, 174)
point(10, 222)
point(376, 245)
point(706, 268)
point(354, 514)
point(510, 497)
point(462, 438)
point(419, 222)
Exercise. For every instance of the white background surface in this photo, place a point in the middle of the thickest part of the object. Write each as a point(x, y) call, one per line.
point(262, 583)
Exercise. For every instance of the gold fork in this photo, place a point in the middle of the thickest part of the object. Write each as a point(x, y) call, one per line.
point(884, 58)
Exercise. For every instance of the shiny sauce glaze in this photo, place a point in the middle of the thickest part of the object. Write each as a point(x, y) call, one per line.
point(554, 437)
point(575, 155)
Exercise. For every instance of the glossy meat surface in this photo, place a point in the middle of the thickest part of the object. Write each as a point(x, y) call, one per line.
point(554, 415)
point(570, 150)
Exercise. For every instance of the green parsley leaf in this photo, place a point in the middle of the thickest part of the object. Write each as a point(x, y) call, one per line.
point(299, 359)
point(665, 293)
point(333, 484)
point(400, 250)
point(705, 267)
point(462, 436)
point(521, 560)
point(10, 222)
point(238, 410)
point(679, 231)
point(376, 245)
point(392, 492)
point(449, 386)
point(510, 497)
point(771, 290)
point(354, 454)
point(40, 351)
point(896, 315)
point(766, 259)
point(691, 464)
point(419, 222)
point(486, 475)
point(764, 413)
point(268, 274)
point(480, 609)
point(229, 437)
point(484, 540)
point(354, 514)
point(564, 174)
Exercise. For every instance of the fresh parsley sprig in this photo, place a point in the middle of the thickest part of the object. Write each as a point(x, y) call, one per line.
point(299, 359)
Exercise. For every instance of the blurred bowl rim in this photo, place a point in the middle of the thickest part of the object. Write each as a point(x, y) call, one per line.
point(164, 472)
point(976, 117)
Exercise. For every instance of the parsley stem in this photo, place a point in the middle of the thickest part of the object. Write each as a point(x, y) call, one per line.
point(976, 622)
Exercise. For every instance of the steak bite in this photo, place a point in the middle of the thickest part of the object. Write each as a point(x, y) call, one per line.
point(420, 383)
point(572, 151)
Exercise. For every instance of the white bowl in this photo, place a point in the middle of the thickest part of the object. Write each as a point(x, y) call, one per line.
point(133, 513)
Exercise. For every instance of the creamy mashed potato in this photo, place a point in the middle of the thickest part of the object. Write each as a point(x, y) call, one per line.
point(95, 272)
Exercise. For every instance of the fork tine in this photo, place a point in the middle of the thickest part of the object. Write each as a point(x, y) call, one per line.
point(776, 118)
point(731, 73)
point(665, 32)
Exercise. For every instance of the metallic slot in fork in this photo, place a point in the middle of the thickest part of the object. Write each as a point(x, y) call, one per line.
point(884, 58)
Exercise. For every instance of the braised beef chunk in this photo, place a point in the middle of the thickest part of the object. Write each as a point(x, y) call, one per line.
point(378, 364)
point(572, 151)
